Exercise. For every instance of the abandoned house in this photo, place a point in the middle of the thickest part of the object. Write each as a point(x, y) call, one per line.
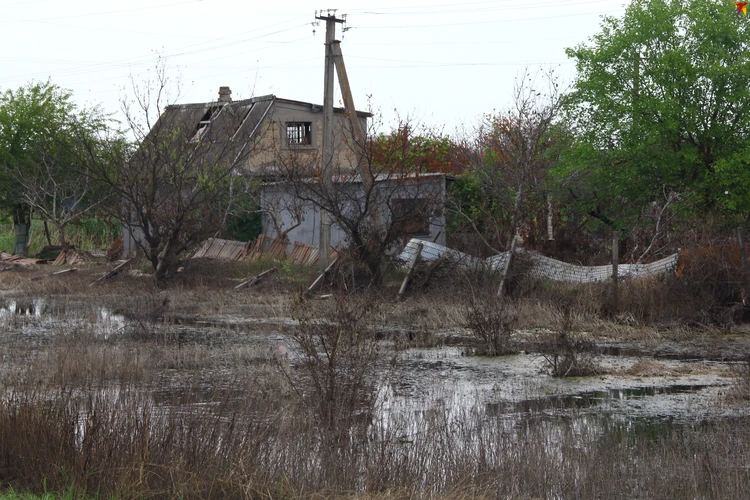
point(269, 137)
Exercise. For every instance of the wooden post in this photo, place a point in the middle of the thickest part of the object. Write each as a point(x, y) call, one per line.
point(112, 273)
point(741, 242)
point(743, 262)
point(506, 267)
point(550, 227)
point(322, 275)
point(64, 271)
point(412, 265)
point(256, 279)
point(615, 271)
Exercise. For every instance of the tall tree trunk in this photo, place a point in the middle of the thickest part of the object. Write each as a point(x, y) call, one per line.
point(46, 233)
point(166, 266)
point(63, 241)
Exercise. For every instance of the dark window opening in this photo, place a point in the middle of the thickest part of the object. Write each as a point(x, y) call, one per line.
point(299, 133)
point(205, 121)
point(411, 216)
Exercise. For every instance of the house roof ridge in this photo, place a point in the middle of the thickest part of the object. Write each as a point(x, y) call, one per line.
point(256, 99)
point(201, 105)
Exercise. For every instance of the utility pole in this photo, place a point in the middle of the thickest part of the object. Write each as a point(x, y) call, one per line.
point(359, 135)
point(324, 246)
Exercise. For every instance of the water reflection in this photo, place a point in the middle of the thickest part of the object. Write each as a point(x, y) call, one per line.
point(591, 398)
point(109, 323)
point(28, 309)
point(40, 317)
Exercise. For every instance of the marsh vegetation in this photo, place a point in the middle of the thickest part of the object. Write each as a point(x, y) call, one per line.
point(201, 392)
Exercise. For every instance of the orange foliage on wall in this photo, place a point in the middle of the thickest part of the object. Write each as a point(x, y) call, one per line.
point(404, 151)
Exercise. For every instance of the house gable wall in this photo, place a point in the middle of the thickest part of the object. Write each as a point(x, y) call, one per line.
point(272, 144)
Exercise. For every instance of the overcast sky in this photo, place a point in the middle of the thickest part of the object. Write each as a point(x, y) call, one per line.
point(442, 63)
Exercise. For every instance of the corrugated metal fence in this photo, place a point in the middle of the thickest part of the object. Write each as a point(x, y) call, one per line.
point(541, 266)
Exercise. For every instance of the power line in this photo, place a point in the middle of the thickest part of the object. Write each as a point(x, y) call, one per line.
point(151, 58)
point(399, 10)
point(22, 3)
point(463, 42)
point(461, 8)
point(496, 21)
point(436, 63)
point(101, 13)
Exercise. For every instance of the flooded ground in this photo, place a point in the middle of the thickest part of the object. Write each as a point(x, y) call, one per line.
point(129, 390)
point(210, 351)
point(519, 385)
point(111, 385)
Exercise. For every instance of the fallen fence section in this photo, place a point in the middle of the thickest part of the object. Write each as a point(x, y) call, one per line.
point(215, 248)
point(561, 271)
point(541, 266)
point(432, 251)
point(262, 246)
point(19, 260)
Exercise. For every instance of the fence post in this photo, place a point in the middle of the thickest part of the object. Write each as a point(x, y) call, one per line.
point(506, 268)
point(412, 265)
point(741, 242)
point(615, 271)
point(743, 262)
point(21, 235)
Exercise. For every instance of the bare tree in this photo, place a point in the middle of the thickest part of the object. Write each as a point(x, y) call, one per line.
point(174, 183)
point(59, 192)
point(382, 197)
point(508, 159)
point(508, 165)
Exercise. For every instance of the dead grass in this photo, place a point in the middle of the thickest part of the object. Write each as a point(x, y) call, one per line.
point(649, 368)
point(740, 389)
point(129, 448)
point(161, 415)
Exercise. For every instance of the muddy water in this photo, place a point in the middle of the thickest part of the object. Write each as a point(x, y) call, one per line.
point(213, 351)
point(519, 385)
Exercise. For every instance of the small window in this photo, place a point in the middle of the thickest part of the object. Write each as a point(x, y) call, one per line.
point(299, 133)
point(411, 216)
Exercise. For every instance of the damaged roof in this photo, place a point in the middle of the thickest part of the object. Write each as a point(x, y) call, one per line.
point(219, 120)
point(216, 121)
point(226, 127)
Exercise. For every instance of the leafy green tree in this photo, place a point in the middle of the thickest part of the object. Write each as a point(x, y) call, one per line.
point(660, 105)
point(42, 137)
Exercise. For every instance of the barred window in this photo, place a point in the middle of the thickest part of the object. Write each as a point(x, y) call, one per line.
point(299, 133)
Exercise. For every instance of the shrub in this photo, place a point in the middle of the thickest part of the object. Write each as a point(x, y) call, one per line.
point(491, 322)
point(340, 355)
point(566, 353)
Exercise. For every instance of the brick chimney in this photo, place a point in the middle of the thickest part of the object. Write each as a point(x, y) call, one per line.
point(225, 94)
